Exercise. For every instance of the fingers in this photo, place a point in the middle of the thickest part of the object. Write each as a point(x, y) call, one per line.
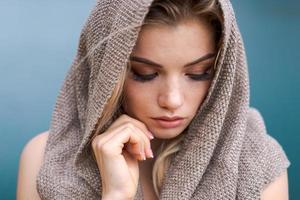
point(142, 126)
point(123, 119)
point(147, 145)
point(138, 143)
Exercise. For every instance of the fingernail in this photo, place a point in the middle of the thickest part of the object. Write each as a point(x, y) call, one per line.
point(143, 155)
point(151, 153)
point(151, 135)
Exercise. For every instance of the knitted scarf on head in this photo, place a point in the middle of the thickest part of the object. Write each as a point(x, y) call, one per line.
point(226, 153)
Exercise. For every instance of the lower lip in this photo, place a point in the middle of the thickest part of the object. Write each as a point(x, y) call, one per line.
point(169, 124)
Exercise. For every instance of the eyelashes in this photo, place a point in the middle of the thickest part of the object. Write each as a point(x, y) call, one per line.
point(143, 78)
point(207, 75)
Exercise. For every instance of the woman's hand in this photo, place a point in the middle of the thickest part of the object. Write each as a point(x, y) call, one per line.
point(117, 152)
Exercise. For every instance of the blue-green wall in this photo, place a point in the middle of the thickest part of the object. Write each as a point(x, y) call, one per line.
point(271, 31)
point(38, 41)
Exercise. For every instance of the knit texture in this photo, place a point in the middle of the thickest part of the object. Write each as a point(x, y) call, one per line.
point(226, 153)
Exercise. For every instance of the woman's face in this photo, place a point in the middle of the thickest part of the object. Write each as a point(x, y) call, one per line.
point(172, 69)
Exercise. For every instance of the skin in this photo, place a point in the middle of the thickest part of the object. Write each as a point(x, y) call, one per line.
point(172, 91)
point(119, 151)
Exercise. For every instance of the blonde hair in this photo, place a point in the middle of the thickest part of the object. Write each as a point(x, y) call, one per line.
point(167, 12)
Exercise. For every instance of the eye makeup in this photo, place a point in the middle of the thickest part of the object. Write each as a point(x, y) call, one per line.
point(206, 75)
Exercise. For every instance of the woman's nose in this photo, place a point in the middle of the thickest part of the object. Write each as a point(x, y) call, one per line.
point(171, 97)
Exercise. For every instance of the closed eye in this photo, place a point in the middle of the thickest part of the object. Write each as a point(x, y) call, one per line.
point(206, 75)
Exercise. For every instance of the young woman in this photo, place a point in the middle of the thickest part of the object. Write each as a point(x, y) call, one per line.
point(156, 106)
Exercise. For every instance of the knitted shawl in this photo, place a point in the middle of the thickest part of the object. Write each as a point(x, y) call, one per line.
point(226, 153)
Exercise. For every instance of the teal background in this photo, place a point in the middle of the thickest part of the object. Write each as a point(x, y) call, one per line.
point(38, 41)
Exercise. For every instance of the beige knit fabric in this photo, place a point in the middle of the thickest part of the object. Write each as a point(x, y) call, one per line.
point(226, 154)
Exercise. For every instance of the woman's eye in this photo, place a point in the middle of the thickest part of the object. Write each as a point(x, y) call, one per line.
point(143, 77)
point(207, 75)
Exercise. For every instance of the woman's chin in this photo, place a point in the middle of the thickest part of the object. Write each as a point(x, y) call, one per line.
point(165, 133)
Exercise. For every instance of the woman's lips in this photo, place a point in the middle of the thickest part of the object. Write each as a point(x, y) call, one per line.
point(169, 123)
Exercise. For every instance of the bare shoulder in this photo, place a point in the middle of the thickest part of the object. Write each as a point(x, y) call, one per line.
point(277, 189)
point(29, 164)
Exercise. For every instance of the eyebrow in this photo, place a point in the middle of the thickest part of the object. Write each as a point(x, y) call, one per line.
point(149, 62)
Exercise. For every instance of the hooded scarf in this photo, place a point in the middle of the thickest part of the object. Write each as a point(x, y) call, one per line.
point(226, 153)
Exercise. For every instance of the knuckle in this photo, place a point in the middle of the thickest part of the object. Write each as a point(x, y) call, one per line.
point(142, 125)
point(105, 149)
point(123, 116)
point(97, 143)
point(139, 124)
point(129, 125)
point(94, 143)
